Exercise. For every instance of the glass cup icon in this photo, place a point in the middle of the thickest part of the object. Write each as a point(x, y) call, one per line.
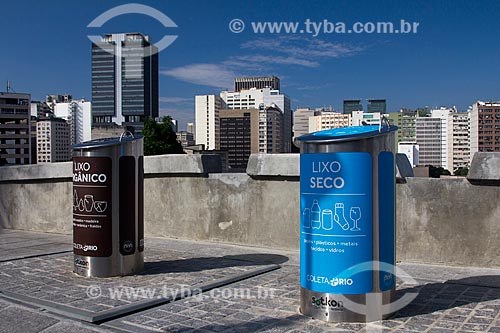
point(355, 214)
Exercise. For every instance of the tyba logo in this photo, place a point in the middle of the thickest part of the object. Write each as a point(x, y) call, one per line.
point(134, 8)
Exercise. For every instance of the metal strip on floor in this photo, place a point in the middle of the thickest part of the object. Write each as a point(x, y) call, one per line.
point(107, 315)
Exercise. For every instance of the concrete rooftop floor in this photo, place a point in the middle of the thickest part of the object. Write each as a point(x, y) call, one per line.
point(243, 289)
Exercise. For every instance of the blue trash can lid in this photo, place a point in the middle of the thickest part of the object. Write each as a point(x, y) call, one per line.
point(106, 142)
point(347, 133)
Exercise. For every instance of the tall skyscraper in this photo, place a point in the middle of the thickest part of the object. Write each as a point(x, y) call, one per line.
point(124, 80)
point(484, 127)
point(377, 105)
point(15, 128)
point(243, 83)
point(207, 108)
point(351, 105)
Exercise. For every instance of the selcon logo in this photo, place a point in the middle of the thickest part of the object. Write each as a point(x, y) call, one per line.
point(81, 263)
point(318, 302)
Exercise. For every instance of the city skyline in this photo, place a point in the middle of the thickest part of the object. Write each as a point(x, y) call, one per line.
point(437, 66)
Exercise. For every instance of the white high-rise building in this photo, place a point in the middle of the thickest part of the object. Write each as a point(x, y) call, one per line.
point(263, 98)
point(444, 139)
point(327, 120)
point(207, 124)
point(446, 117)
point(78, 114)
point(428, 135)
point(455, 133)
point(53, 140)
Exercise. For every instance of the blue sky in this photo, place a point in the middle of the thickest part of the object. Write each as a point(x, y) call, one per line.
point(453, 59)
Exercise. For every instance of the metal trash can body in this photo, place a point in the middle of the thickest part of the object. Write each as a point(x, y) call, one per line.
point(108, 207)
point(347, 231)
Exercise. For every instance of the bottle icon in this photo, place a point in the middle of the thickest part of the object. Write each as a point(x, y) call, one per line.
point(306, 218)
point(315, 215)
point(327, 218)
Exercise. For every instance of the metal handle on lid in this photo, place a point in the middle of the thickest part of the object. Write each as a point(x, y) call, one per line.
point(125, 134)
point(384, 119)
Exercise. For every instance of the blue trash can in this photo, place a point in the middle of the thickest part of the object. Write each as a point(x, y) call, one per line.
point(347, 227)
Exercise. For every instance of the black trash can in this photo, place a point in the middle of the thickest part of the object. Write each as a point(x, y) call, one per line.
point(108, 206)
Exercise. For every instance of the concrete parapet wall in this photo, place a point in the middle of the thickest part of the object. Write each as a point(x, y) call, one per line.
point(485, 169)
point(448, 221)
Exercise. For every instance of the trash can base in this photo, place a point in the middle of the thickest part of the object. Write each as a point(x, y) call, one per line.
point(344, 308)
point(108, 267)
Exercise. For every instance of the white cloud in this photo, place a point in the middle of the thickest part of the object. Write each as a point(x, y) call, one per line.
point(213, 75)
point(252, 60)
point(262, 56)
point(302, 48)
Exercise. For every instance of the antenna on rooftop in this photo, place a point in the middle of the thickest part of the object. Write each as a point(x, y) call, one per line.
point(9, 88)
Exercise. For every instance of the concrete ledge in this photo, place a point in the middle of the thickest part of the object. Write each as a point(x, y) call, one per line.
point(268, 165)
point(161, 164)
point(485, 168)
point(49, 171)
point(182, 164)
point(288, 165)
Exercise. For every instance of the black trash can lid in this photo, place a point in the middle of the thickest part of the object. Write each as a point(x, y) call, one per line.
point(106, 142)
point(346, 133)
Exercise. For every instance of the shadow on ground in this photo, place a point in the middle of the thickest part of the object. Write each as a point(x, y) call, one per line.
point(466, 292)
point(205, 263)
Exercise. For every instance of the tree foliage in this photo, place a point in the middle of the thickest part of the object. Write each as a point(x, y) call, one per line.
point(436, 172)
point(159, 138)
point(462, 172)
